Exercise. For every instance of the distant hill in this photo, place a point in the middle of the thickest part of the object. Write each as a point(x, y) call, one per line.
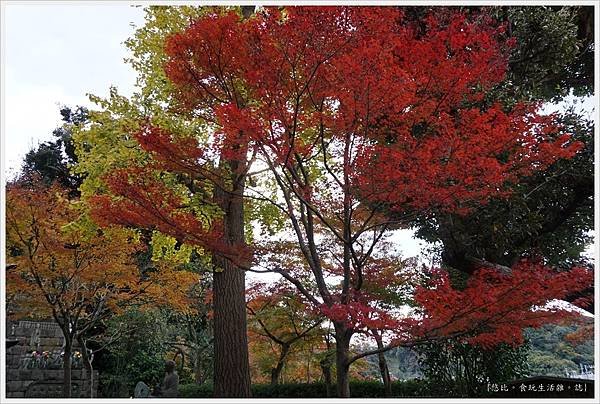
point(550, 354)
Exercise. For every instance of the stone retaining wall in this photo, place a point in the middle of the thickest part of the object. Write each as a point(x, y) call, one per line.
point(32, 336)
point(46, 383)
point(22, 381)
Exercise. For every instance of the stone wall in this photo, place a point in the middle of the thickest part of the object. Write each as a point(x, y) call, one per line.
point(27, 379)
point(46, 383)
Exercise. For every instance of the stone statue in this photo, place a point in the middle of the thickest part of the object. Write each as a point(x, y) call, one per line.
point(169, 388)
point(170, 384)
point(56, 361)
point(34, 342)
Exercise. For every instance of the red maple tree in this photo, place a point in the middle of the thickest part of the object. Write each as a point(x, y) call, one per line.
point(351, 112)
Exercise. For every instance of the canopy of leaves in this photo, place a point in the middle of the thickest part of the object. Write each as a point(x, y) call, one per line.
point(386, 108)
point(51, 161)
point(69, 269)
point(549, 214)
point(356, 115)
point(555, 54)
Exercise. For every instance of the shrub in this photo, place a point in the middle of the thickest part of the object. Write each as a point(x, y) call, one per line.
point(194, 390)
point(290, 390)
point(358, 389)
point(409, 388)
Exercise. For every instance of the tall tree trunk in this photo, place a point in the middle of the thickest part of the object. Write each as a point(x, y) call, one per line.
point(383, 367)
point(276, 371)
point(67, 366)
point(231, 365)
point(342, 349)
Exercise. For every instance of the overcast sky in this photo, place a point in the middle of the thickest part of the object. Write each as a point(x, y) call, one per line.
point(54, 55)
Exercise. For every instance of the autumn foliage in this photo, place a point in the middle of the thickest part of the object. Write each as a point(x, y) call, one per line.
point(352, 113)
point(288, 84)
point(282, 326)
point(409, 97)
point(59, 264)
point(63, 265)
point(494, 307)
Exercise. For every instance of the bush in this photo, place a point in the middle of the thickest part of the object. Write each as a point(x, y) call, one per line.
point(374, 388)
point(370, 388)
point(458, 369)
point(194, 390)
point(358, 389)
point(290, 390)
point(409, 388)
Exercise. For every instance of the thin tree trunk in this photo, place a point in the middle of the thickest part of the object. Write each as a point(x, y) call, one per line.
point(87, 362)
point(326, 369)
point(308, 365)
point(276, 371)
point(342, 348)
point(198, 374)
point(325, 365)
point(67, 366)
point(231, 365)
point(383, 368)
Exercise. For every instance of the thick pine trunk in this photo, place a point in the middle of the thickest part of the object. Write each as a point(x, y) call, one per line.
point(342, 349)
point(231, 365)
point(67, 367)
point(232, 370)
point(383, 368)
